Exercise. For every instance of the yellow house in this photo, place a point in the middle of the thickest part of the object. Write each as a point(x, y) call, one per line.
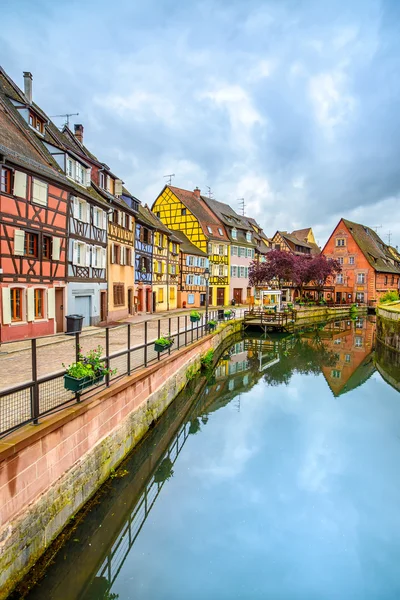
point(121, 262)
point(187, 211)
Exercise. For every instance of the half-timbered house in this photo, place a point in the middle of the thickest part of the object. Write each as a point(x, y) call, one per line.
point(187, 211)
point(33, 234)
point(192, 284)
point(144, 234)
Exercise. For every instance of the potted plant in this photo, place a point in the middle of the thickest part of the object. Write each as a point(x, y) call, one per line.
point(227, 314)
point(89, 370)
point(163, 343)
point(194, 316)
point(212, 325)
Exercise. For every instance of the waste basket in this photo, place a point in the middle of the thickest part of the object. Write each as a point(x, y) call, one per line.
point(74, 323)
point(220, 314)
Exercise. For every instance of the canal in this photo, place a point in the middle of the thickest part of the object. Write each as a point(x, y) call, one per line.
point(274, 476)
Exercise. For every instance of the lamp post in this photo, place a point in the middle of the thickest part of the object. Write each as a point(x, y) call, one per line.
point(207, 278)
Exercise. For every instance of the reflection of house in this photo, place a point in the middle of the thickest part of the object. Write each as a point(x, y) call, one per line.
point(370, 268)
point(353, 345)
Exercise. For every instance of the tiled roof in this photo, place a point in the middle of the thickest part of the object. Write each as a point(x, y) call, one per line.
point(301, 234)
point(231, 220)
point(374, 249)
point(186, 245)
point(202, 212)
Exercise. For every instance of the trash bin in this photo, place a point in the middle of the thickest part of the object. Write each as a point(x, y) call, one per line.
point(74, 323)
point(221, 314)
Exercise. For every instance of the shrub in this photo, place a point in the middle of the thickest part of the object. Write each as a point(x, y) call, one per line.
point(166, 340)
point(389, 297)
point(207, 359)
point(195, 314)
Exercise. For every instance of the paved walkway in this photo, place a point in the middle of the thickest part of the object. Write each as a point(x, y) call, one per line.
point(55, 351)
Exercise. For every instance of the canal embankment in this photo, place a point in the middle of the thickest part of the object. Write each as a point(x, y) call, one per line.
point(49, 471)
point(388, 325)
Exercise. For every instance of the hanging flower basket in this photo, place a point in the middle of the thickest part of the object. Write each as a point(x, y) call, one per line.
point(88, 371)
point(212, 325)
point(163, 344)
point(77, 385)
point(194, 316)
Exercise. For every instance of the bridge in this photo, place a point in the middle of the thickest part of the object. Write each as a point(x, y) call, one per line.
point(269, 320)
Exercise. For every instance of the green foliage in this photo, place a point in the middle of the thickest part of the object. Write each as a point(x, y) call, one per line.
point(164, 471)
point(190, 373)
point(165, 341)
point(213, 323)
point(227, 313)
point(194, 426)
point(389, 297)
point(207, 359)
point(195, 314)
point(90, 365)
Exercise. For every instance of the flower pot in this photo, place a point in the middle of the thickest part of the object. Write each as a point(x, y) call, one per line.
point(194, 319)
point(77, 385)
point(212, 326)
point(161, 347)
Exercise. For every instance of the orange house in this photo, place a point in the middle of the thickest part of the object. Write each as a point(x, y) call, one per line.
point(369, 268)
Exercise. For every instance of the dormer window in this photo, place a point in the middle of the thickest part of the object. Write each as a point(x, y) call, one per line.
point(248, 236)
point(35, 122)
point(220, 231)
point(102, 180)
point(234, 234)
point(209, 229)
point(78, 172)
point(5, 180)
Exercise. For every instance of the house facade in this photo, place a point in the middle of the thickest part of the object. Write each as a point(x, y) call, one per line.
point(192, 284)
point(144, 235)
point(186, 211)
point(369, 267)
point(121, 263)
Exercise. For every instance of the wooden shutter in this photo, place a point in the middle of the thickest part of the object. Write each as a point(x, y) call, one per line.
point(112, 253)
point(75, 253)
point(86, 255)
point(51, 303)
point(132, 258)
point(226, 250)
point(20, 184)
point(103, 258)
point(88, 176)
point(30, 302)
point(108, 183)
point(19, 242)
point(6, 305)
point(86, 212)
point(75, 207)
point(104, 214)
point(39, 192)
point(118, 187)
point(225, 270)
point(122, 255)
point(56, 248)
point(94, 249)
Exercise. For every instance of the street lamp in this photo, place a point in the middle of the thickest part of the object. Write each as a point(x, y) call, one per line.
point(207, 278)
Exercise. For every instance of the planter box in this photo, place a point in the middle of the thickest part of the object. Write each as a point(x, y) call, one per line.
point(194, 319)
point(211, 326)
point(77, 385)
point(161, 348)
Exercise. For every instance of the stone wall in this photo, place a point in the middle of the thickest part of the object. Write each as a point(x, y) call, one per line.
point(324, 313)
point(388, 326)
point(48, 471)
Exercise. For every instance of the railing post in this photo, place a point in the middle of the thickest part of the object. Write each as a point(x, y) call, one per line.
point(35, 387)
point(169, 333)
point(185, 330)
point(179, 320)
point(159, 335)
point(77, 347)
point(145, 343)
point(129, 349)
point(107, 355)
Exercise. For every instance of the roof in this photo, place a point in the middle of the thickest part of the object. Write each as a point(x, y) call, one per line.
point(376, 252)
point(186, 245)
point(144, 216)
point(360, 375)
point(231, 220)
point(301, 234)
point(205, 216)
point(156, 222)
point(295, 239)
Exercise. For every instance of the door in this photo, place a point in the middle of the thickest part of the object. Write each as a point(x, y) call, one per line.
point(338, 297)
point(210, 298)
point(130, 301)
point(59, 310)
point(220, 296)
point(154, 302)
point(103, 306)
point(140, 300)
point(82, 307)
point(237, 295)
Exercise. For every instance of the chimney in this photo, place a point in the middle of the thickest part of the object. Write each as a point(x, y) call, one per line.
point(196, 192)
point(79, 133)
point(28, 86)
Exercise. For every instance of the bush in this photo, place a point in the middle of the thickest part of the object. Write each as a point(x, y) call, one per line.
point(389, 297)
point(207, 359)
point(195, 314)
point(90, 365)
point(165, 341)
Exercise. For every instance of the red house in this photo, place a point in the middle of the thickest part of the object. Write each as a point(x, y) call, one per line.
point(370, 268)
point(33, 235)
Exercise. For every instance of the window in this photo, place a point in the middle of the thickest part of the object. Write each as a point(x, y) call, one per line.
point(119, 294)
point(341, 260)
point(183, 212)
point(46, 247)
point(80, 173)
point(115, 217)
point(360, 277)
point(221, 270)
point(160, 295)
point(249, 252)
point(16, 304)
point(386, 279)
point(358, 341)
point(159, 266)
point(174, 248)
point(5, 181)
point(234, 250)
point(102, 180)
point(81, 211)
point(233, 271)
point(190, 299)
point(360, 296)
point(242, 251)
point(336, 374)
point(128, 253)
point(158, 214)
point(339, 278)
point(234, 234)
point(248, 236)
point(242, 272)
point(146, 236)
point(340, 242)
point(127, 221)
point(392, 279)
point(70, 167)
point(36, 123)
point(172, 269)
point(277, 246)
point(347, 358)
point(351, 260)
point(31, 244)
point(220, 250)
point(39, 304)
point(209, 229)
point(39, 192)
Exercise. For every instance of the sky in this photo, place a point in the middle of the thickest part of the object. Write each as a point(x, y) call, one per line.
point(292, 105)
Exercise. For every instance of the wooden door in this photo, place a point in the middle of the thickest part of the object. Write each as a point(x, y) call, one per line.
point(130, 301)
point(220, 296)
point(237, 295)
point(59, 309)
point(210, 298)
point(140, 300)
point(338, 297)
point(103, 306)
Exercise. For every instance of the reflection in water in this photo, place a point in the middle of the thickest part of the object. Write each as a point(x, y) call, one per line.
point(104, 560)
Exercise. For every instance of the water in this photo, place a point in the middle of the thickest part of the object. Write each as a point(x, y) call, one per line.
point(279, 481)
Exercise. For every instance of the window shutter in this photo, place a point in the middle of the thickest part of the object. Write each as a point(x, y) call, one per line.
point(118, 187)
point(75, 207)
point(51, 303)
point(6, 307)
point(75, 253)
point(226, 271)
point(103, 258)
point(132, 258)
point(39, 193)
point(122, 255)
point(20, 183)
point(226, 250)
point(111, 246)
point(104, 217)
point(19, 242)
point(94, 249)
point(88, 176)
point(108, 183)
point(56, 248)
point(86, 255)
point(30, 301)
point(155, 266)
point(86, 213)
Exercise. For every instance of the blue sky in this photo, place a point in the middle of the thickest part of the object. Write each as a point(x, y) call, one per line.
point(293, 105)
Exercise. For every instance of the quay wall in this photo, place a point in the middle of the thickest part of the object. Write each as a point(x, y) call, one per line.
point(388, 325)
point(49, 471)
point(324, 313)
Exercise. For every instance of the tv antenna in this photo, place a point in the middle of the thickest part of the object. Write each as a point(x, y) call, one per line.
point(377, 227)
point(66, 115)
point(241, 205)
point(210, 194)
point(389, 236)
point(170, 176)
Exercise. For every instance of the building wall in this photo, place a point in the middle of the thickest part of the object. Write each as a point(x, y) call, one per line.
point(239, 282)
point(88, 290)
point(121, 274)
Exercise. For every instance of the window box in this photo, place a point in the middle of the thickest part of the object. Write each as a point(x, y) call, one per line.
point(77, 385)
point(163, 344)
point(194, 317)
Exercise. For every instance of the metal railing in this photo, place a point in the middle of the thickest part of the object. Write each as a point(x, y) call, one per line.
point(127, 348)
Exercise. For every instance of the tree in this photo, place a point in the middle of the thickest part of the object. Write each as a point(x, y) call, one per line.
point(259, 273)
point(301, 271)
point(321, 268)
point(277, 266)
